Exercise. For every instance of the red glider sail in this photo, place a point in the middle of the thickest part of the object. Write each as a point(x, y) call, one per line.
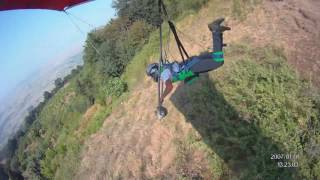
point(58, 5)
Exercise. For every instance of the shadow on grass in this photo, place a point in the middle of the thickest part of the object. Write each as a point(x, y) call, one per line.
point(241, 144)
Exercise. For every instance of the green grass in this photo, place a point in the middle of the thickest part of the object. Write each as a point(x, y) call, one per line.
point(53, 144)
point(135, 71)
point(72, 159)
point(253, 106)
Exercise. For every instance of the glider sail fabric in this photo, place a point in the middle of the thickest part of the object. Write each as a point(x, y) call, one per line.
point(58, 5)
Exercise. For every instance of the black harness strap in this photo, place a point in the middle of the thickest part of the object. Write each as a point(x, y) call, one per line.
point(181, 48)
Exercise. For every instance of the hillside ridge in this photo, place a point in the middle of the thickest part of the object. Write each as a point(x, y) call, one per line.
point(133, 143)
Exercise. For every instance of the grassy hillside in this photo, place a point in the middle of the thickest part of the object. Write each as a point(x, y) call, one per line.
point(29, 93)
point(227, 125)
point(255, 107)
point(50, 147)
point(243, 115)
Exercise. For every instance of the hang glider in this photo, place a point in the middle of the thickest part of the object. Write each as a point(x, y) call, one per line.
point(57, 5)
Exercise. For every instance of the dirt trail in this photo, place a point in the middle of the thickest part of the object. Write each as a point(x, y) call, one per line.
point(133, 144)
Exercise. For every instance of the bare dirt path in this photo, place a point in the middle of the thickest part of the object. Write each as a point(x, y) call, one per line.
point(132, 143)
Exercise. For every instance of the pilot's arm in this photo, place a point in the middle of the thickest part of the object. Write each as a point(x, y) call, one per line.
point(167, 90)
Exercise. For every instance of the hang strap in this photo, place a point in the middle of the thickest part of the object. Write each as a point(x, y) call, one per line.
point(181, 48)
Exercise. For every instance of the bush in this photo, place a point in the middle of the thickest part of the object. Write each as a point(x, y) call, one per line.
point(80, 104)
point(115, 87)
point(135, 10)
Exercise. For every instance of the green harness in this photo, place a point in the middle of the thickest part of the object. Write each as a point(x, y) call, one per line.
point(183, 75)
point(187, 75)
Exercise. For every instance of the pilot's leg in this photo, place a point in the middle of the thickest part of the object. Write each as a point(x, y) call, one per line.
point(214, 60)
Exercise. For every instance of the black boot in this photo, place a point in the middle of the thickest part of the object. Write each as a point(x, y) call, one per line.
point(215, 26)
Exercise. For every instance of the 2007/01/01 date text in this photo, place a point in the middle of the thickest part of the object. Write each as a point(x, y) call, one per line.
point(276, 156)
point(285, 160)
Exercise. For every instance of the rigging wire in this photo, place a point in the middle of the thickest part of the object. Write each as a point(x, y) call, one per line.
point(162, 10)
point(84, 34)
point(81, 20)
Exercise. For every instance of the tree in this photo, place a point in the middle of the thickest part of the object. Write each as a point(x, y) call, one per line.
point(146, 10)
point(86, 88)
point(12, 145)
point(3, 174)
point(47, 95)
point(74, 72)
point(58, 83)
point(90, 53)
point(132, 41)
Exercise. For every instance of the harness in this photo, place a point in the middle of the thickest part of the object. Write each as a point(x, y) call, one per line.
point(184, 73)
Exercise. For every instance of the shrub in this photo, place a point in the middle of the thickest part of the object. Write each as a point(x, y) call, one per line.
point(115, 87)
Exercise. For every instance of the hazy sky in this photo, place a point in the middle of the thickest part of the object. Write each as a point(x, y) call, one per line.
point(30, 39)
